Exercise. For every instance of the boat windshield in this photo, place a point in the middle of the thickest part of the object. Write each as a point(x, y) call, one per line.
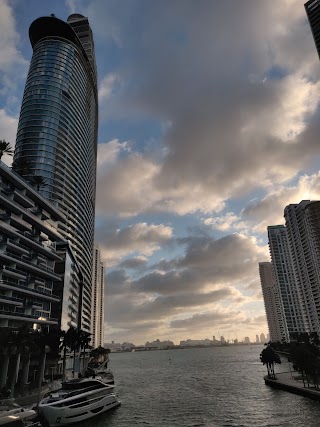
point(80, 385)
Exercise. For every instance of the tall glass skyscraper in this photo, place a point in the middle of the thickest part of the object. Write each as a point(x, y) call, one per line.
point(57, 130)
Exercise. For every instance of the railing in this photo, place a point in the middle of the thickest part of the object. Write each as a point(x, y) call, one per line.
point(19, 244)
point(26, 288)
point(46, 267)
point(45, 246)
point(14, 299)
point(25, 183)
point(27, 316)
point(39, 265)
point(15, 270)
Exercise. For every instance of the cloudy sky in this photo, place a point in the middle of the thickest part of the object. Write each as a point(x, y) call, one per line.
point(209, 126)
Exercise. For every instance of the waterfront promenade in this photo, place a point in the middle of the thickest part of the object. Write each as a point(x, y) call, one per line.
point(292, 382)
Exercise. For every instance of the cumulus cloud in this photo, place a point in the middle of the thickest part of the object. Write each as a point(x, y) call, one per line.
point(109, 152)
point(141, 238)
point(212, 275)
point(13, 66)
point(259, 213)
point(134, 263)
point(241, 115)
point(235, 124)
point(8, 126)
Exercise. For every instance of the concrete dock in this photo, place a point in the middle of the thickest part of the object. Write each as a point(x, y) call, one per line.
point(292, 382)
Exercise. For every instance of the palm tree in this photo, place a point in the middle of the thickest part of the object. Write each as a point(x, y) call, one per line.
point(22, 166)
point(84, 341)
point(5, 148)
point(18, 343)
point(269, 357)
point(5, 355)
point(38, 181)
point(68, 338)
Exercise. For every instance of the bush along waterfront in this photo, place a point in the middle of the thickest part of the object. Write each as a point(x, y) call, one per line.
point(303, 351)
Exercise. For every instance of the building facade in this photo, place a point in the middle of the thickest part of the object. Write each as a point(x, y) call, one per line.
point(29, 238)
point(57, 131)
point(312, 8)
point(290, 303)
point(272, 303)
point(97, 324)
point(303, 225)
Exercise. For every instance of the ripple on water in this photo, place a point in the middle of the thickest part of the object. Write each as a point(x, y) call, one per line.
point(212, 387)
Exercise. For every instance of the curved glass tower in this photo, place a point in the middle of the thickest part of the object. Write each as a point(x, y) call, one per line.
point(57, 130)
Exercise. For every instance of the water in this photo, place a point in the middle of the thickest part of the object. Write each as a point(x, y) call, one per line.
point(221, 386)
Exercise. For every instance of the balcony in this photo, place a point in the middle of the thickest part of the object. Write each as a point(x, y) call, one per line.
point(17, 246)
point(19, 223)
point(27, 318)
point(45, 249)
point(13, 272)
point(19, 302)
point(22, 184)
point(20, 197)
point(29, 291)
point(31, 219)
point(38, 270)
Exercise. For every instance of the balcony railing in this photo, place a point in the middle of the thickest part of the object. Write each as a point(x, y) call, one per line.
point(30, 290)
point(28, 316)
point(12, 299)
point(39, 268)
point(15, 270)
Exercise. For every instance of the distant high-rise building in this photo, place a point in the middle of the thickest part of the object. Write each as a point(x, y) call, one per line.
point(290, 305)
point(222, 340)
point(246, 340)
point(97, 310)
point(303, 225)
point(272, 303)
point(262, 338)
point(257, 339)
point(57, 132)
point(312, 8)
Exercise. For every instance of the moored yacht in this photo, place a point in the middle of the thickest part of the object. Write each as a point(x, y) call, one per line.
point(77, 400)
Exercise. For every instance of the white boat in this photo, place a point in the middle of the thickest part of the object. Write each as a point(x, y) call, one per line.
point(18, 417)
point(77, 400)
point(102, 373)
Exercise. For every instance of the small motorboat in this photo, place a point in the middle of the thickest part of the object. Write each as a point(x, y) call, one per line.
point(77, 400)
point(100, 372)
point(105, 375)
point(18, 417)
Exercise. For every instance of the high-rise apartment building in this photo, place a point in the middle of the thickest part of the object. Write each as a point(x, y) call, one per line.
point(28, 253)
point(303, 225)
point(57, 131)
point(285, 280)
point(97, 323)
point(312, 8)
point(272, 303)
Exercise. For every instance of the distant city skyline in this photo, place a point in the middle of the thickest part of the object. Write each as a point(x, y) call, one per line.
point(189, 342)
point(204, 137)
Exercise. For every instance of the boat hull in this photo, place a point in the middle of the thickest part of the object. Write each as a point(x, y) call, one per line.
point(73, 413)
